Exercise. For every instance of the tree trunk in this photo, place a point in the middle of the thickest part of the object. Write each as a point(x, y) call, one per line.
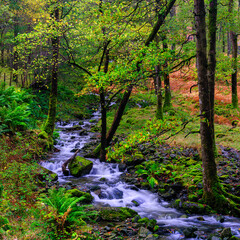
point(233, 41)
point(159, 112)
point(223, 42)
point(228, 43)
point(15, 53)
point(103, 109)
point(210, 178)
point(50, 123)
point(104, 126)
point(212, 62)
point(118, 115)
point(234, 66)
point(2, 55)
point(167, 100)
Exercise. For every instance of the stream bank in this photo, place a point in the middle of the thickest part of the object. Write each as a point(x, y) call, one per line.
point(112, 186)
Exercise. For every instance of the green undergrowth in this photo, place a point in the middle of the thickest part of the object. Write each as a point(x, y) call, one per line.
point(26, 210)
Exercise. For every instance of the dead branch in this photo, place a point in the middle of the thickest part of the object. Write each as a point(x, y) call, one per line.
point(184, 125)
point(195, 85)
point(192, 132)
point(64, 166)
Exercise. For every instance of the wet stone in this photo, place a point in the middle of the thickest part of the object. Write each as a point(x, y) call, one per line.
point(143, 232)
point(215, 238)
point(136, 204)
point(94, 188)
point(118, 194)
point(226, 233)
point(104, 195)
point(190, 232)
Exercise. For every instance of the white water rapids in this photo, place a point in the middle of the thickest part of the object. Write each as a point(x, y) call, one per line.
point(115, 193)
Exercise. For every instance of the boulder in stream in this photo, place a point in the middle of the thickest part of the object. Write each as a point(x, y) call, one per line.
point(88, 198)
point(80, 166)
point(115, 214)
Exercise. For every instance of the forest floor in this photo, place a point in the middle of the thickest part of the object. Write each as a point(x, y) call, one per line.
point(184, 82)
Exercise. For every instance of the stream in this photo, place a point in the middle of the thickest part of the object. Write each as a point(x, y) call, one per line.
point(115, 193)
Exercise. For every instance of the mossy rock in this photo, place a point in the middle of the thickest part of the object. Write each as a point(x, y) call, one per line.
point(192, 197)
point(195, 208)
point(80, 166)
point(136, 218)
point(4, 223)
point(88, 198)
point(177, 203)
point(144, 221)
point(115, 214)
point(46, 175)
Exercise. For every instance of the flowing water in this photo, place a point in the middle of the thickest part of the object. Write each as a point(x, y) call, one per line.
point(105, 177)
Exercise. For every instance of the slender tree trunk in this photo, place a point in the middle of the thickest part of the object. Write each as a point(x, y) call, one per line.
point(104, 126)
point(104, 110)
point(173, 14)
point(212, 25)
point(15, 53)
point(159, 112)
point(228, 44)
point(223, 42)
point(167, 100)
point(210, 178)
point(119, 114)
point(50, 123)
point(233, 41)
point(234, 66)
point(2, 55)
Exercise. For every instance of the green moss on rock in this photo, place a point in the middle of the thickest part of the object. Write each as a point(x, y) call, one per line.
point(116, 214)
point(145, 221)
point(80, 166)
point(88, 198)
point(192, 197)
point(196, 208)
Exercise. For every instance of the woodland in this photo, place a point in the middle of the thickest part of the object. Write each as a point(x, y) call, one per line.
point(162, 78)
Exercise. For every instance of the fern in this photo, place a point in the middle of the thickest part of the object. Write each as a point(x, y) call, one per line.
point(14, 117)
point(65, 210)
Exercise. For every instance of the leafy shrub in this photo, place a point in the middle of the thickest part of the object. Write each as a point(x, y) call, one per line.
point(153, 132)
